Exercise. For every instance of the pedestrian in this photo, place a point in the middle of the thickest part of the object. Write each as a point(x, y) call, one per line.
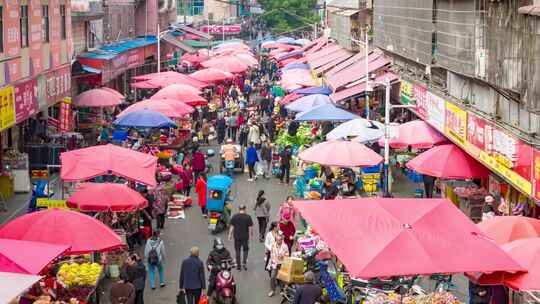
point(198, 162)
point(254, 134)
point(271, 128)
point(205, 130)
point(154, 251)
point(285, 161)
point(309, 292)
point(243, 135)
point(186, 175)
point(262, 212)
point(135, 273)
point(221, 125)
point(192, 278)
point(278, 253)
point(269, 241)
point(200, 189)
point(241, 228)
point(233, 126)
point(286, 226)
point(122, 291)
point(251, 159)
point(266, 158)
point(160, 205)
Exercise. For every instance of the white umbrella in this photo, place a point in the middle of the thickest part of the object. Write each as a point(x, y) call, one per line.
point(361, 129)
point(14, 284)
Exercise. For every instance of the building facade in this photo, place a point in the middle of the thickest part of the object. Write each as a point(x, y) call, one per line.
point(471, 69)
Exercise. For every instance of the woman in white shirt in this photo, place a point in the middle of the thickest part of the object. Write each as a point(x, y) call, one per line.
point(280, 250)
point(269, 241)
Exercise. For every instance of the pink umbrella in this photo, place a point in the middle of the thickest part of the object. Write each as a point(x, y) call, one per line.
point(115, 92)
point(211, 75)
point(168, 107)
point(20, 256)
point(247, 59)
point(382, 237)
point(87, 163)
point(143, 85)
point(341, 153)
point(505, 229)
point(102, 197)
point(161, 82)
point(177, 91)
point(97, 98)
point(290, 98)
point(417, 134)
point(195, 58)
point(233, 45)
point(84, 234)
point(226, 63)
point(228, 52)
point(447, 162)
point(154, 75)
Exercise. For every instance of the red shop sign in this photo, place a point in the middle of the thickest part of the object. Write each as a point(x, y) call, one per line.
point(536, 175)
point(58, 84)
point(420, 94)
point(26, 99)
point(230, 29)
point(135, 57)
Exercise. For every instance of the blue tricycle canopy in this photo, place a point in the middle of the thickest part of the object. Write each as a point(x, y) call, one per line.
point(219, 182)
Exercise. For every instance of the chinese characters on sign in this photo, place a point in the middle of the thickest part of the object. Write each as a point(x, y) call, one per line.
point(406, 92)
point(65, 115)
point(26, 99)
point(7, 107)
point(58, 84)
point(227, 29)
point(455, 123)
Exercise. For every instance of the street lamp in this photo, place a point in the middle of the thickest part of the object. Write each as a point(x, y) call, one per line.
point(387, 107)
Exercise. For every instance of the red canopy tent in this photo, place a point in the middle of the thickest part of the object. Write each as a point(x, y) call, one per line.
point(87, 163)
point(381, 237)
point(83, 233)
point(20, 256)
point(154, 75)
point(341, 153)
point(229, 64)
point(447, 162)
point(211, 75)
point(98, 98)
point(177, 91)
point(504, 229)
point(417, 134)
point(101, 197)
point(168, 107)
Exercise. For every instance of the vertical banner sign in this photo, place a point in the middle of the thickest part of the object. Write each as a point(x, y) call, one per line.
point(455, 123)
point(26, 99)
point(436, 111)
point(12, 42)
point(65, 115)
point(7, 107)
point(406, 92)
point(536, 174)
point(420, 93)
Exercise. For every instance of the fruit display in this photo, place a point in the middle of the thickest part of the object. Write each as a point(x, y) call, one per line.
point(430, 298)
point(75, 274)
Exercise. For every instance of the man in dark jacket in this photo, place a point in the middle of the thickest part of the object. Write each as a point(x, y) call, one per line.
point(286, 156)
point(192, 278)
point(308, 293)
point(135, 273)
point(122, 292)
point(217, 256)
point(221, 126)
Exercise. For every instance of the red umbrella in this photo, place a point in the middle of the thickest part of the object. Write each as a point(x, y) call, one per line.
point(447, 162)
point(226, 63)
point(154, 75)
point(341, 153)
point(211, 75)
point(177, 91)
point(97, 98)
point(143, 85)
point(184, 96)
point(527, 253)
point(87, 163)
point(290, 98)
point(195, 58)
point(161, 82)
point(115, 92)
point(247, 59)
point(20, 256)
point(504, 229)
point(102, 197)
point(168, 107)
point(383, 237)
point(83, 233)
point(417, 134)
point(229, 52)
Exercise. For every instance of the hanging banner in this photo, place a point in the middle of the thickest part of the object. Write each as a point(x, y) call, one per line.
point(420, 94)
point(26, 99)
point(436, 111)
point(65, 115)
point(7, 107)
point(536, 174)
point(406, 92)
point(135, 58)
point(455, 125)
point(58, 84)
point(220, 29)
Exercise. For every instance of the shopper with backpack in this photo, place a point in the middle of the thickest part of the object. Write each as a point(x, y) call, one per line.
point(155, 256)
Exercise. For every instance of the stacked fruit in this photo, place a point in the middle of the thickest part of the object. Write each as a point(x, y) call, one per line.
point(74, 274)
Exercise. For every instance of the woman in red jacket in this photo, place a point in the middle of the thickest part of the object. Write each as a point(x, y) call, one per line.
point(288, 229)
point(200, 188)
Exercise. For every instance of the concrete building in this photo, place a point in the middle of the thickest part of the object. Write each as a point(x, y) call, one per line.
point(200, 12)
point(349, 20)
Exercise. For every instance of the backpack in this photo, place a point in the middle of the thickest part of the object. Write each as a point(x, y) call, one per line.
point(153, 256)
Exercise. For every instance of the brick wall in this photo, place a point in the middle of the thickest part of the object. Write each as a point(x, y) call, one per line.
point(79, 37)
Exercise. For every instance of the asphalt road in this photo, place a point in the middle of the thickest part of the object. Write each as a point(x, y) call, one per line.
point(181, 235)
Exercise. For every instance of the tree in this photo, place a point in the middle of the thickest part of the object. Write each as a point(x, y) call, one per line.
point(287, 15)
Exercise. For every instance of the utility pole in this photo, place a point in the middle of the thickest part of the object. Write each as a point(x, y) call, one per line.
point(186, 7)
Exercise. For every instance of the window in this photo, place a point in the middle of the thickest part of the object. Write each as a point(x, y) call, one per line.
point(63, 21)
point(1, 30)
point(45, 22)
point(23, 26)
point(194, 7)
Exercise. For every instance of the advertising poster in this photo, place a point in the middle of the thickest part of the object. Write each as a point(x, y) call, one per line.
point(455, 123)
point(26, 99)
point(7, 107)
point(36, 36)
point(435, 111)
point(406, 92)
point(420, 93)
point(12, 44)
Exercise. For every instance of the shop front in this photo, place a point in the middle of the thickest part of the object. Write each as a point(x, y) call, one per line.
point(509, 159)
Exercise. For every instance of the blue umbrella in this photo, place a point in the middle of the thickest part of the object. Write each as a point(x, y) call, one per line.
point(144, 119)
point(286, 40)
point(308, 102)
point(292, 66)
point(326, 112)
point(324, 90)
point(291, 54)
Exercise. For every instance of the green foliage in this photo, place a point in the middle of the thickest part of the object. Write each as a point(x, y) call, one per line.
point(287, 15)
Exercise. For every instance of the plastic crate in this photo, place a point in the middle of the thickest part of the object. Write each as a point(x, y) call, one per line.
point(373, 169)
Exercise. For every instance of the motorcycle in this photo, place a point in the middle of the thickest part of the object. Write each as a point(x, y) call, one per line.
point(225, 292)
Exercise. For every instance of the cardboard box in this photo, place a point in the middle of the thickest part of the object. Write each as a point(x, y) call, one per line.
point(291, 271)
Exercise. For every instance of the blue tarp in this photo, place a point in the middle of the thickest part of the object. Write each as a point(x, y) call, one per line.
point(108, 52)
point(324, 90)
point(219, 182)
point(326, 112)
point(291, 54)
point(144, 119)
point(286, 40)
point(292, 66)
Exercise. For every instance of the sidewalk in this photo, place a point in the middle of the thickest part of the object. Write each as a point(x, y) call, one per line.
point(16, 206)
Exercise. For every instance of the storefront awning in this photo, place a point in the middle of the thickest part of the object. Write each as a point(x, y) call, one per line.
point(339, 54)
point(333, 63)
point(320, 44)
point(325, 51)
point(89, 69)
point(361, 87)
point(190, 30)
point(345, 64)
point(347, 13)
point(357, 71)
point(177, 43)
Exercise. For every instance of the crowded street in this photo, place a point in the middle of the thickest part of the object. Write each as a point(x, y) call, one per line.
point(264, 152)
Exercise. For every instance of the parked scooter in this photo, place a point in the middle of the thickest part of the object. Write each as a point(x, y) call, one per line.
point(225, 292)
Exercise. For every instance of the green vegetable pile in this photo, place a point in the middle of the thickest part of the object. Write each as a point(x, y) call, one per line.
point(303, 136)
